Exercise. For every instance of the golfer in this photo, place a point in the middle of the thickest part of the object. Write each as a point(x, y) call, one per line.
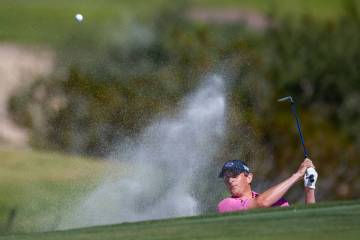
point(238, 177)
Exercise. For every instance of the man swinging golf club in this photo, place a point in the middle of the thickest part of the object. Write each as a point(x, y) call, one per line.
point(238, 177)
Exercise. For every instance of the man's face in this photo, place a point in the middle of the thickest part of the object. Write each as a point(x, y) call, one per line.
point(238, 184)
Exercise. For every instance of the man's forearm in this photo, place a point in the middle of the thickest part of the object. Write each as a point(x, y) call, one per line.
point(273, 194)
point(309, 195)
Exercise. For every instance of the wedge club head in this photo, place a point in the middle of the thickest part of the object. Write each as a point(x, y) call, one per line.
point(288, 98)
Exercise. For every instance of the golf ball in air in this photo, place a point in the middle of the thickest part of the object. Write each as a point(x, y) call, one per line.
point(79, 17)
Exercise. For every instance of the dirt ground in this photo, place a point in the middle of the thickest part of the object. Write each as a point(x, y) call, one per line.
point(251, 19)
point(19, 66)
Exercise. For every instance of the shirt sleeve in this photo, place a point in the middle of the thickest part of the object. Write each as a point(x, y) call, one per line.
point(282, 202)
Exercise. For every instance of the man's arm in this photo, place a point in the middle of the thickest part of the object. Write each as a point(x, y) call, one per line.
point(309, 195)
point(273, 194)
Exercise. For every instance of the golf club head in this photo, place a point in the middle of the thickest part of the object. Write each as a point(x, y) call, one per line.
point(288, 98)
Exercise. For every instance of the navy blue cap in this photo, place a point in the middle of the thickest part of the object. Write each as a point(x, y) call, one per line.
point(236, 166)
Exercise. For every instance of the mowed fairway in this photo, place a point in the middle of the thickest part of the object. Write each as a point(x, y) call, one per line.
point(52, 23)
point(328, 221)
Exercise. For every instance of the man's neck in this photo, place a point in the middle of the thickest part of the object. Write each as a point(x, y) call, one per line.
point(246, 194)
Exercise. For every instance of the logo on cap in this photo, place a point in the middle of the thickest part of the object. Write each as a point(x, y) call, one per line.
point(229, 164)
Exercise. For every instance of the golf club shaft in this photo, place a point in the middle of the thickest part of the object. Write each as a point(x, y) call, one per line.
point(299, 129)
point(293, 109)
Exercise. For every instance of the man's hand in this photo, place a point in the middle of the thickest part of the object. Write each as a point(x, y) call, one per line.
point(308, 172)
point(307, 163)
point(310, 178)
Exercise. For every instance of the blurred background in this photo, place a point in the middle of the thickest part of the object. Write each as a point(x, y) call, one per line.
point(74, 94)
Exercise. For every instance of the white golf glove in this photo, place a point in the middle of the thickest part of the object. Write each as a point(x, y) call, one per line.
point(310, 178)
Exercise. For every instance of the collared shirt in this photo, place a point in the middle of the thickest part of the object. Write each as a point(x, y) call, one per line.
point(233, 204)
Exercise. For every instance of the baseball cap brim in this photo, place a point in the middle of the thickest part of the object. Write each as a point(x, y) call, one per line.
point(222, 173)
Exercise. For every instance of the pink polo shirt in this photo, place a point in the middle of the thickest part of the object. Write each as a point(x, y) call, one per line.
point(233, 204)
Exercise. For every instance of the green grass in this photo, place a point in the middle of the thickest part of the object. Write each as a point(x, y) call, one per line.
point(51, 22)
point(41, 186)
point(340, 220)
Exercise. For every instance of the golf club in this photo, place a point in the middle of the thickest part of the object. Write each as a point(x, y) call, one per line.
point(293, 109)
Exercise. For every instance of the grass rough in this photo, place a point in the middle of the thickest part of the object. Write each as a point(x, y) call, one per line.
point(40, 186)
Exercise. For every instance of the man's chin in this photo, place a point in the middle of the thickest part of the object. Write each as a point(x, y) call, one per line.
point(235, 193)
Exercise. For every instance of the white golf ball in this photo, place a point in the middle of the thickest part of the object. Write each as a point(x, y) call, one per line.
point(79, 17)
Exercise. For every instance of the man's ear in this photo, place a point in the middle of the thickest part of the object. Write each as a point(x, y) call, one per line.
point(249, 178)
